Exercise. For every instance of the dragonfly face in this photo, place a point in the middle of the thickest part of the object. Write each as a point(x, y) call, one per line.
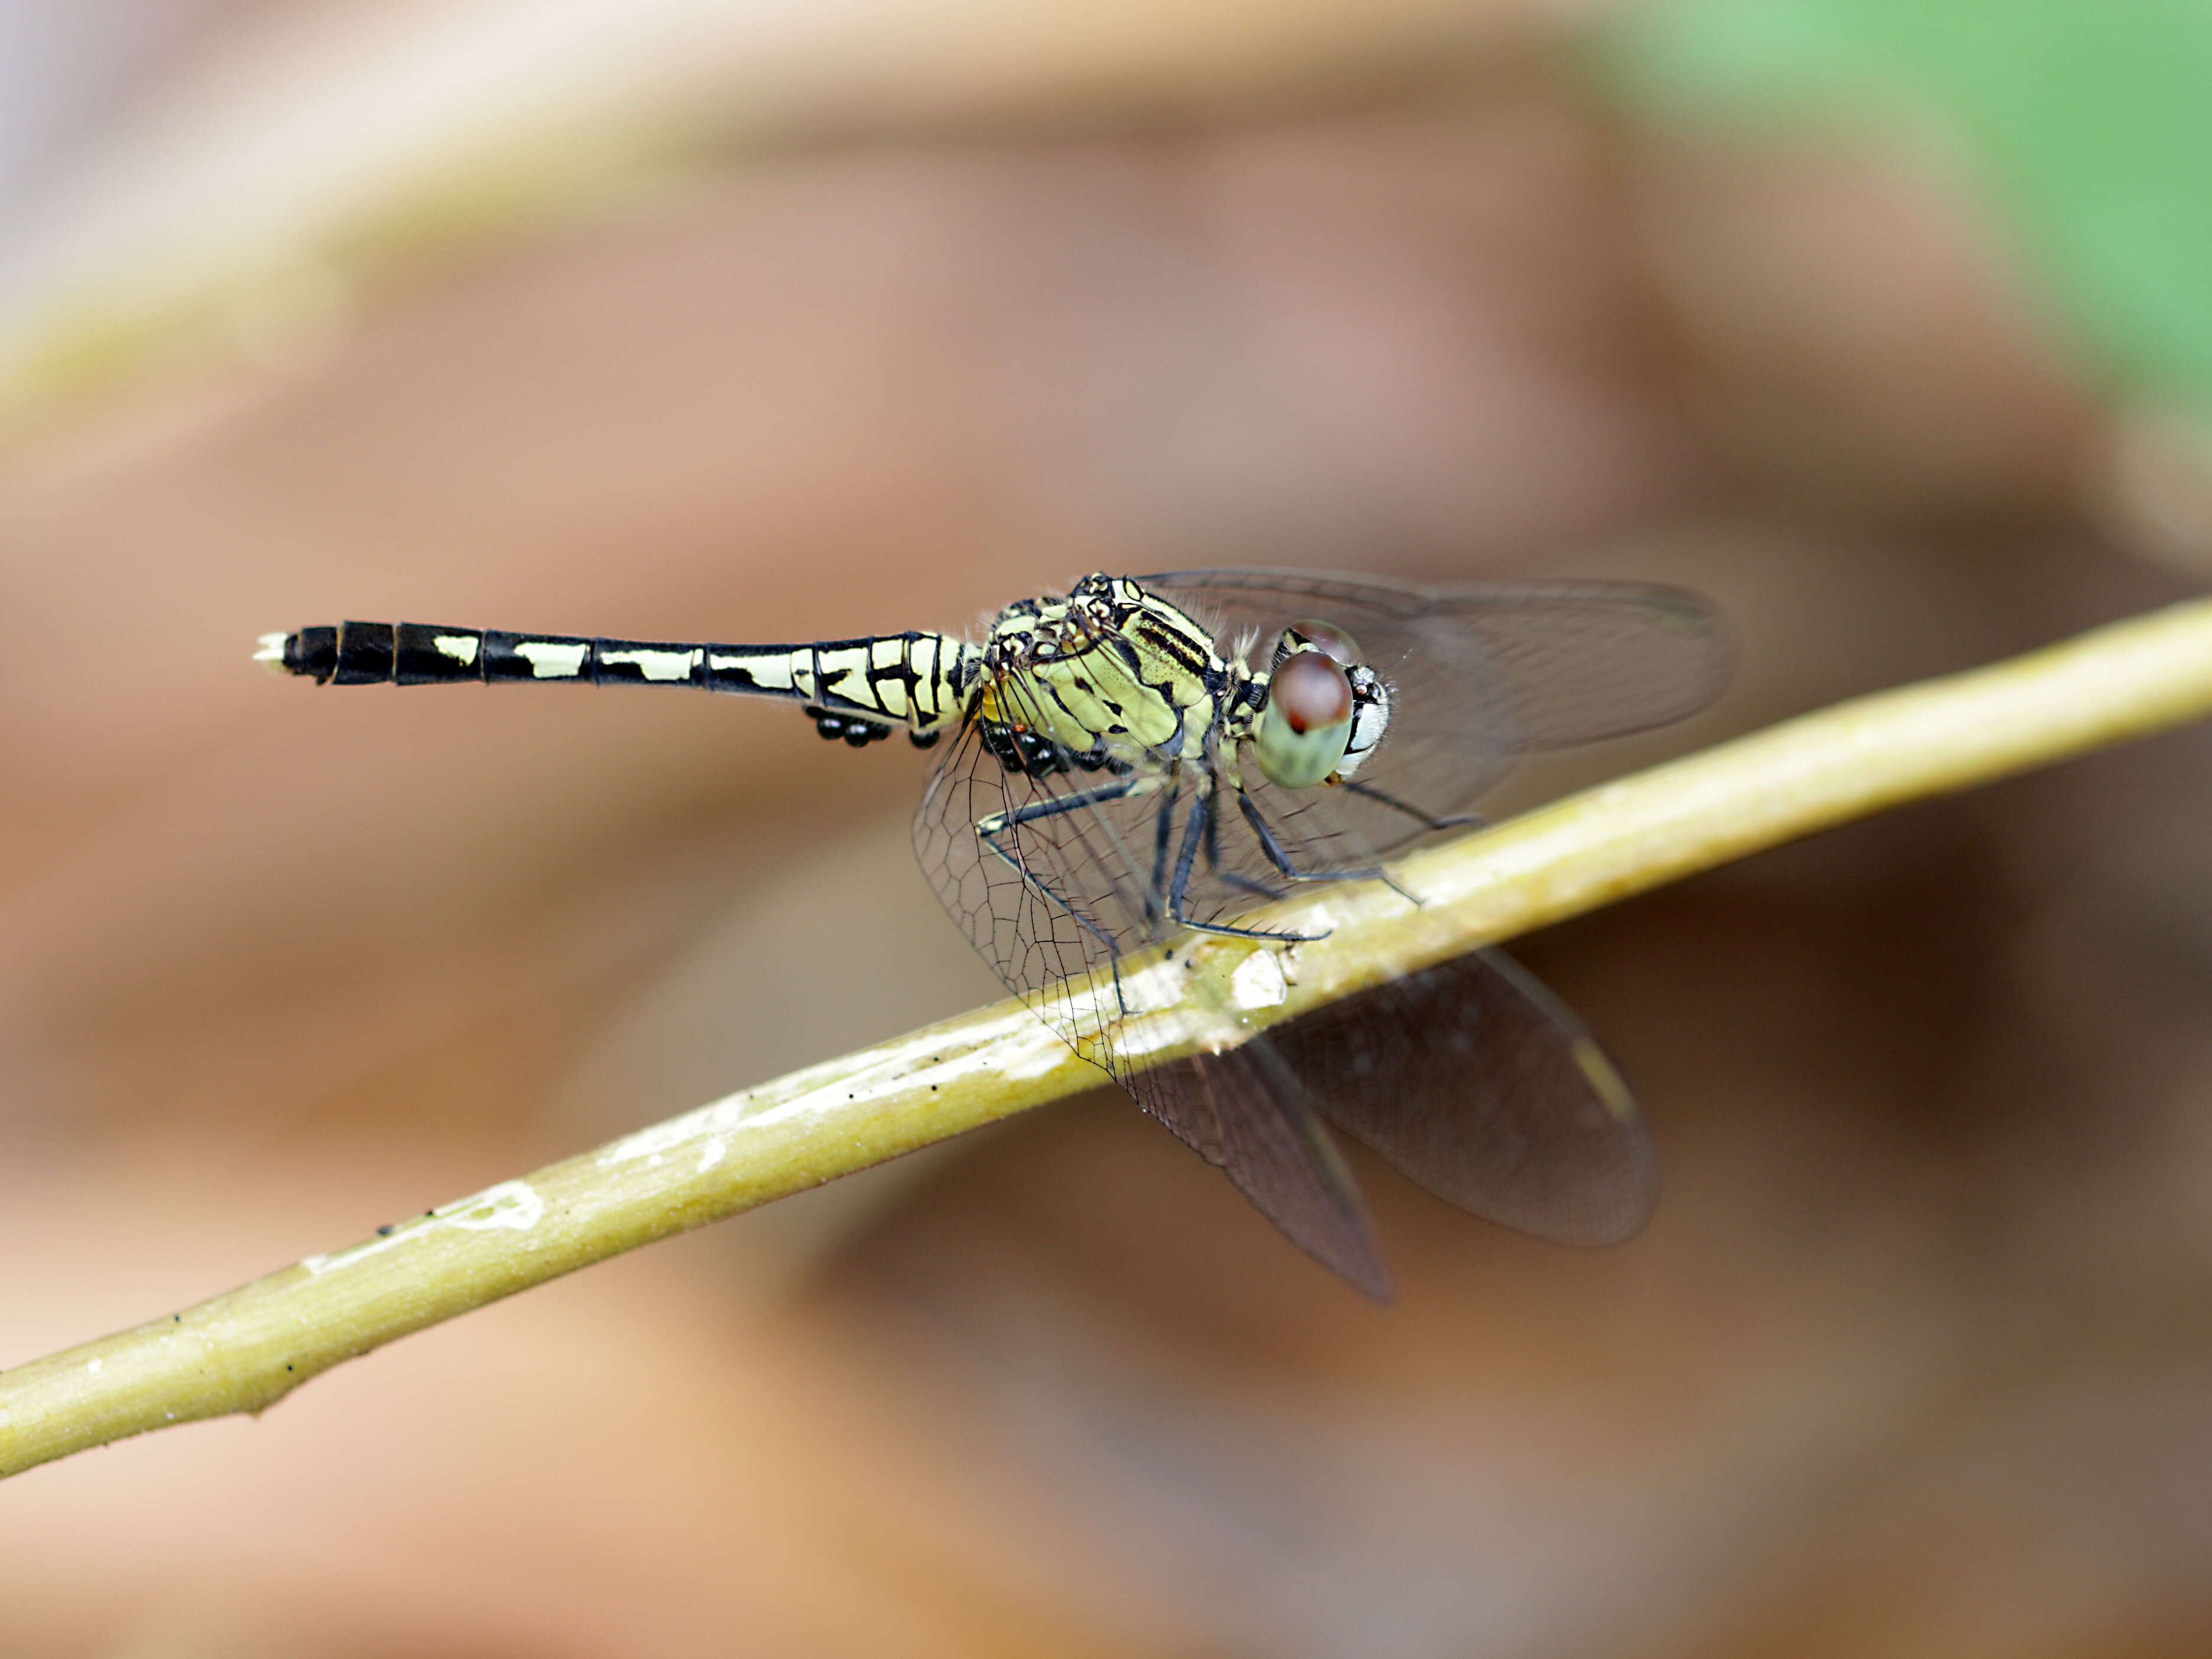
point(1322, 711)
point(1120, 776)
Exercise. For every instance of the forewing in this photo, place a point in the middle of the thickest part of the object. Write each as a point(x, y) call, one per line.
point(1479, 1084)
point(1478, 674)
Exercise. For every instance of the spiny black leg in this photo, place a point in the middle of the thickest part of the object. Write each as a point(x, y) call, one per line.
point(1162, 837)
point(1194, 829)
point(1193, 833)
point(1368, 791)
point(1081, 800)
point(1281, 859)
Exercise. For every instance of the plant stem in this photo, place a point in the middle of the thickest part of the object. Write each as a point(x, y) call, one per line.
point(245, 1350)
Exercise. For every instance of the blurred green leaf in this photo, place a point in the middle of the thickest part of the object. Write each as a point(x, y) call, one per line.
point(2088, 121)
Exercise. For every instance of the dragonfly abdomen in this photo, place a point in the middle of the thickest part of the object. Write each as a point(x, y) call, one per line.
point(912, 679)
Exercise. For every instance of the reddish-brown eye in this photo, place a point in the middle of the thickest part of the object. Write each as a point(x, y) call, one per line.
point(1331, 639)
point(1310, 691)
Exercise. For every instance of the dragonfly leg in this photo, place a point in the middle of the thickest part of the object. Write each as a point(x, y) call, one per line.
point(1230, 878)
point(1163, 839)
point(1281, 859)
point(1368, 791)
point(990, 828)
point(1196, 830)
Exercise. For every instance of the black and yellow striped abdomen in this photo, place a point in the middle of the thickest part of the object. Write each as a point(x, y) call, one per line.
point(914, 679)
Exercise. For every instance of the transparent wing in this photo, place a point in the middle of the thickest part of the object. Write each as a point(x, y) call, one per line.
point(1478, 674)
point(1470, 1078)
point(1247, 1111)
point(1049, 896)
point(1476, 1082)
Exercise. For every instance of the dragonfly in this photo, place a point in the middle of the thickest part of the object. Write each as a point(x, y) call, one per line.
point(1144, 763)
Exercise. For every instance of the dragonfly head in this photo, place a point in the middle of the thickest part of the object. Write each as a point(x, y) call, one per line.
point(1325, 708)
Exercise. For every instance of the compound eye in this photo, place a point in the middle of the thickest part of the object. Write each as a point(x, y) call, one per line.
point(1302, 732)
point(1310, 692)
point(1339, 647)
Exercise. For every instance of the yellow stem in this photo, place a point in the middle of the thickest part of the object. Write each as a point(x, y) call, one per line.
point(245, 1350)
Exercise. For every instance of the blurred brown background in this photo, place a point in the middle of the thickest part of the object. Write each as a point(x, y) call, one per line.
point(672, 321)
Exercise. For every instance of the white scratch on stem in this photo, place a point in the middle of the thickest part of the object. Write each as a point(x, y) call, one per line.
point(515, 1205)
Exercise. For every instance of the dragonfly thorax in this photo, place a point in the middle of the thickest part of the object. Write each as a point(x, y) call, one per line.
point(1098, 678)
